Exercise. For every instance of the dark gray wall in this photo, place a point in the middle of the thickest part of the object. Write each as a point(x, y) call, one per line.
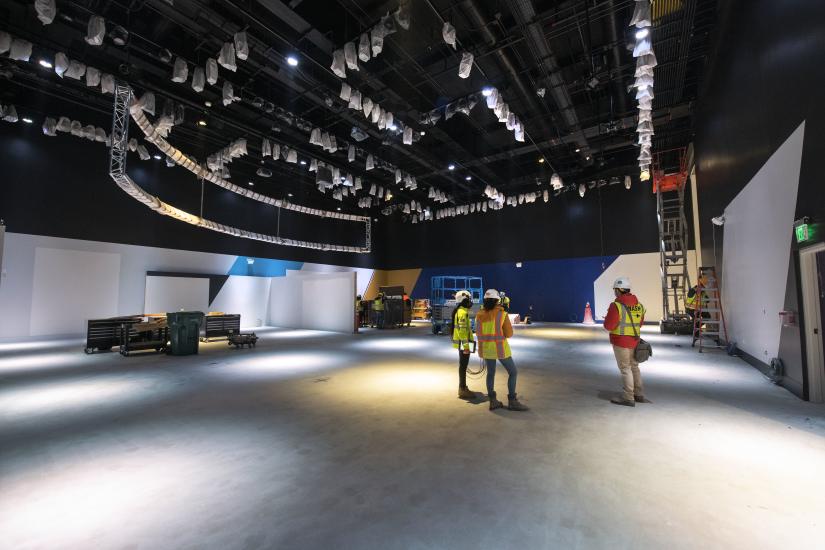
point(765, 79)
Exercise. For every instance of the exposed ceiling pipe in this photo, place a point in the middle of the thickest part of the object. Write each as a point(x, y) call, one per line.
point(616, 74)
point(525, 15)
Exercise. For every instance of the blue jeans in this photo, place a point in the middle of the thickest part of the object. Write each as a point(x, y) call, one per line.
point(512, 374)
point(379, 319)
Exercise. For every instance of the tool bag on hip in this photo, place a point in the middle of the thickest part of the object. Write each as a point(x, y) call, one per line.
point(643, 350)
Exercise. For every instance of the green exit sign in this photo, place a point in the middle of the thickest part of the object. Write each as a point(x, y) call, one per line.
point(803, 233)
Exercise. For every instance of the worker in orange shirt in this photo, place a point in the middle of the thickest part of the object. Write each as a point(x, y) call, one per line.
point(624, 319)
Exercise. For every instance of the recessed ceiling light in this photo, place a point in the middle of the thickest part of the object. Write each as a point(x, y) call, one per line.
point(27, 120)
point(251, 184)
point(201, 122)
point(292, 61)
point(468, 178)
point(44, 63)
point(587, 157)
point(339, 209)
point(423, 132)
point(577, 149)
point(207, 103)
point(303, 162)
point(486, 92)
point(156, 157)
point(541, 160)
point(451, 167)
point(642, 33)
point(289, 194)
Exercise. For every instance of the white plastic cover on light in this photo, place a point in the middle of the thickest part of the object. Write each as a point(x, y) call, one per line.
point(20, 50)
point(95, 30)
point(228, 93)
point(211, 71)
point(144, 154)
point(107, 83)
point(408, 136)
point(377, 40)
point(198, 79)
point(46, 10)
point(466, 65)
point(76, 70)
point(448, 34)
point(241, 45)
point(355, 100)
point(180, 71)
point(641, 14)
point(346, 91)
point(50, 126)
point(366, 106)
point(61, 63)
point(351, 56)
point(647, 60)
point(339, 64)
point(364, 47)
point(226, 58)
point(643, 47)
point(92, 77)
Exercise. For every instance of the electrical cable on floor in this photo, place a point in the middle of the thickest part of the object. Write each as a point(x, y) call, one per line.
point(477, 374)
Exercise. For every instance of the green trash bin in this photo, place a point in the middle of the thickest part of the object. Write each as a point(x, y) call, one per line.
point(184, 331)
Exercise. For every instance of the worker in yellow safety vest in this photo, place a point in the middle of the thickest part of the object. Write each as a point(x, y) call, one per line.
point(505, 301)
point(493, 328)
point(378, 310)
point(697, 299)
point(462, 338)
point(624, 320)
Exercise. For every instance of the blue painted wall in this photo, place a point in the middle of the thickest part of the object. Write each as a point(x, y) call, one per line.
point(557, 289)
point(263, 267)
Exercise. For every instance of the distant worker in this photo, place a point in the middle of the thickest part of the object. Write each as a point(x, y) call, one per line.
point(505, 301)
point(697, 299)
point(493, 328)
point(378, 310)
point(462, 338)
point(359, 321)
point(624, 320)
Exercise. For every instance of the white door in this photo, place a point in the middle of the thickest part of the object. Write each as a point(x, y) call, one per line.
point(812, 292)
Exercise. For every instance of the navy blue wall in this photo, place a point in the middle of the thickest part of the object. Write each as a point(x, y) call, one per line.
point(557, 289)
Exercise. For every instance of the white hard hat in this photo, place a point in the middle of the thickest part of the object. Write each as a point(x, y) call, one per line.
point(462, 294)
point(492, 294)
point(622, 283)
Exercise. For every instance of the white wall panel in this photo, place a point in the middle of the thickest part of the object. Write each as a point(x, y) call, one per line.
point(363, 274)
point(164, 294)
point(248, 296)
point(71, 286)
point(313, 301)
point(757, 236)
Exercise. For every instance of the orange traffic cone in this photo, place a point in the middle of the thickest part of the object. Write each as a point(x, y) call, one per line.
point(588, 315)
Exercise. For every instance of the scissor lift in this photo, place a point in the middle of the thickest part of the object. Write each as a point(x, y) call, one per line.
point(669, 179)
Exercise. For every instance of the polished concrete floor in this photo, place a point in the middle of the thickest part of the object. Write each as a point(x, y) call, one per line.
point(318, 440)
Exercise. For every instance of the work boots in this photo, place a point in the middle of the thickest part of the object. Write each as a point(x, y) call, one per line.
point(495, 403)
point(514, 405)
point(622, 401)
point(466, 393)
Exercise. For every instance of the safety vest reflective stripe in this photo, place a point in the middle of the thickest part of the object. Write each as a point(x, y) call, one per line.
point(625, 327)
point(492, 332)
point(461, 330)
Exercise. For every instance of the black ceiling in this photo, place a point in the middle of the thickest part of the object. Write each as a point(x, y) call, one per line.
point(577, 50)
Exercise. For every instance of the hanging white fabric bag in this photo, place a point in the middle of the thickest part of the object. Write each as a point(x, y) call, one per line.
point(351, 56)
point(211, 71)
point(95, 31)
point(364, 48)
point(92, 77)
point(180, 71)
point(226, 58)
point(448, 33)
point(198, 79)
point(241, 45)
point(339, 64)
point(46, 10)
point(466, 65)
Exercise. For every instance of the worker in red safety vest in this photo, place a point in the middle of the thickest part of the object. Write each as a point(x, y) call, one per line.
point(624, 319)
point(493, 328)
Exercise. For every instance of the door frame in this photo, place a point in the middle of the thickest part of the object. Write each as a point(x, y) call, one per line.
point(815, 359)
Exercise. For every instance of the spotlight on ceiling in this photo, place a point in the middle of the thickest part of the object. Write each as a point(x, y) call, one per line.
point(578, 150)
point(207, 103)
point(289, 194)
point(468, 178)
point(44, 63)
point(292, 60)
point(486, 92)
point(541, 160)
point(304, 162)
point(156, 157)
point(251, 184)
point(27, 120)
point(423, 132)
point(339, 209)
point(392, 127)
point(642, 33)
point(201, 122)
point(451, 167)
